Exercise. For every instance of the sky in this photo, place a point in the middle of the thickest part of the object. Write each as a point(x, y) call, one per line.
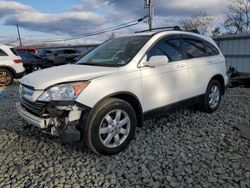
point(47, 20)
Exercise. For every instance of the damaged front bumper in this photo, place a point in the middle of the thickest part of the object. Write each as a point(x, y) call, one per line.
point(41, 123)
point(54, 117)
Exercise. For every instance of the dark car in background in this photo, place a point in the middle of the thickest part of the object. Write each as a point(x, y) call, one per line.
point(32, 62)
point(80, 56)
point(44, 52)
point(63, 56)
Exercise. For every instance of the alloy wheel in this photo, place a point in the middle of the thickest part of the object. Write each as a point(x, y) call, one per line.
point(5, 78)
point(114, 128)
point(214, 96)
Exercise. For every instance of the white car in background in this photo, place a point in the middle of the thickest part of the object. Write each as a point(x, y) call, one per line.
point(110, 93)
point(11, 66)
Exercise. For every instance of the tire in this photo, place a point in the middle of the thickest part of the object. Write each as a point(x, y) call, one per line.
point(102, 132)
point(6, 77)
point(212, 97)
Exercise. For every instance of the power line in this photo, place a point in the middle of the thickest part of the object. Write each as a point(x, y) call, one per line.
point(112, 20)
point(122, 17)
point(110, 29)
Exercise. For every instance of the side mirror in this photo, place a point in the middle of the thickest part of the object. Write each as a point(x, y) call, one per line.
point(156, 61)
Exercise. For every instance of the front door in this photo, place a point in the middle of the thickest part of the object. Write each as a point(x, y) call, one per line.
point(165, 84)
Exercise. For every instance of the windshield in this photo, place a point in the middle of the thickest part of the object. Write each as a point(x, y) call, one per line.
point(116, 52)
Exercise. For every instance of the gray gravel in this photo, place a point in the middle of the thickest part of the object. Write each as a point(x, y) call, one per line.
point(187, 148)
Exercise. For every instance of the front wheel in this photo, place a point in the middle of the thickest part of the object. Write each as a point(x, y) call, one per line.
point(212, 97)
point(110, 127)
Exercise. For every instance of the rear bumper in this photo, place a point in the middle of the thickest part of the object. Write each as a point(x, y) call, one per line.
point(41, 123)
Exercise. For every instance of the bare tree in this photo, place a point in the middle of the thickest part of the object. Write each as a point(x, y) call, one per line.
point(238, 17)
point(200, 21)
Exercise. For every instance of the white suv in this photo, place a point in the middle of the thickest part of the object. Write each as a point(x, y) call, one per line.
point(113, 88)
point(11, 65)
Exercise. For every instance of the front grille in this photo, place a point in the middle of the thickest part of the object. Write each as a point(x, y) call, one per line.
point(36, 108)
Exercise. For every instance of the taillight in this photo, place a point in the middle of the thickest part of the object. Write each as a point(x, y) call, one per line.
point(17, 61)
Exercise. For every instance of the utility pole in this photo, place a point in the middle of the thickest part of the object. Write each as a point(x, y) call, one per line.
point(19, 36)
point(150, 6)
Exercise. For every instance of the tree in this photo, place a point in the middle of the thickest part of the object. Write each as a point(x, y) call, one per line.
point(238, 16)
point(200, 21)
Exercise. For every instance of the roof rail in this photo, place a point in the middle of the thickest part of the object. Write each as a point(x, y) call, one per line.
point(171, 28)
point(174, 28)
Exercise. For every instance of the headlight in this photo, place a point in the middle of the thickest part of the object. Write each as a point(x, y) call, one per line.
point(63, 92)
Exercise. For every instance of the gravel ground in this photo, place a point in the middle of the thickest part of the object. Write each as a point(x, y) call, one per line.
point(187, 148)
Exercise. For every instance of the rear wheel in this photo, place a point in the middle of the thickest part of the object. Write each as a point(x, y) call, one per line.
point(110, 127)
point(212, 97)
point(6, 77)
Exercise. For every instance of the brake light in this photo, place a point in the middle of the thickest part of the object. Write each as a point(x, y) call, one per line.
point(17, 61)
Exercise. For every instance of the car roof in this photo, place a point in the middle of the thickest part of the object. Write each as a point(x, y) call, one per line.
point(168, 32)
point(165, 33)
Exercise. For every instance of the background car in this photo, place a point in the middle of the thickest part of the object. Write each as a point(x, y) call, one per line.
point(44, 52)
point(80, 55)
point(32, 62)
point(63, 56)
point(11, 65)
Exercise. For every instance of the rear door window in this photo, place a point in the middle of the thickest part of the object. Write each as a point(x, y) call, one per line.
point(211, 49)
point(14, 51)
point(194, 48)
point(2, 53)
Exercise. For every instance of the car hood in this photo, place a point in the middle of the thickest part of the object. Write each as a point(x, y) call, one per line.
point(43, 79)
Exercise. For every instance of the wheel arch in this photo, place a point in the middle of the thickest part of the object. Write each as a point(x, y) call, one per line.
point(221, 80)
point(9, 69)
point(130, 98)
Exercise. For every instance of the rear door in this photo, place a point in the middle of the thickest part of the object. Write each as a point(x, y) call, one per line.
point(200, 64)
